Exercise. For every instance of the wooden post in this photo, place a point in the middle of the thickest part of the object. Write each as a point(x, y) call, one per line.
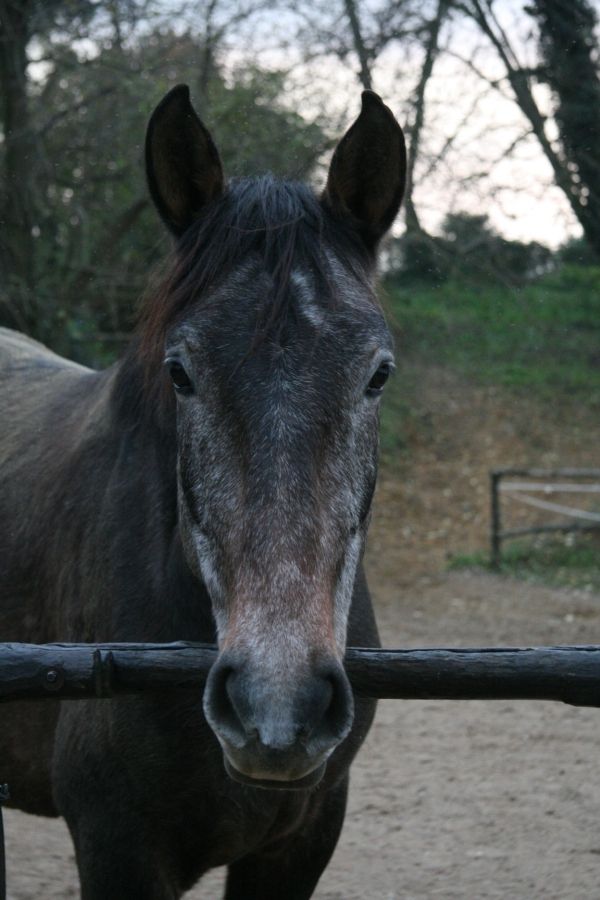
point(496, 524)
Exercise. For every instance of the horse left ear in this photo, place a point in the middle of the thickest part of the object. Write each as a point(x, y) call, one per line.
point(182, 163)
point(367, 174)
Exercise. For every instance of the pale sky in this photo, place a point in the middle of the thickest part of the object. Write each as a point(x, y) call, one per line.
point(474, 174)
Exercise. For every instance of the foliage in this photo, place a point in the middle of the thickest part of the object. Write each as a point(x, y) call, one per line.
point(578, 252)
point(398, 421)
point(417, 257)
point(573, 561)
point(569, 66)
point(467, 246)
point(542, 336)
point(95, 235)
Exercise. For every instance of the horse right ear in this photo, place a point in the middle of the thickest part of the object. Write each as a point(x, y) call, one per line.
point(182, 163)
point(368, 171)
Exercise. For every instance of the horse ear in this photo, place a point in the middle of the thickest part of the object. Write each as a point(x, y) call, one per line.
point(367, 174)
point(182, 163)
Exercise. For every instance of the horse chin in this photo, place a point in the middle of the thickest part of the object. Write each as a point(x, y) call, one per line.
point(306, 782)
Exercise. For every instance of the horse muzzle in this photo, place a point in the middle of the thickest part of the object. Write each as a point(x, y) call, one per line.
point(256, 769)
point(277, 730)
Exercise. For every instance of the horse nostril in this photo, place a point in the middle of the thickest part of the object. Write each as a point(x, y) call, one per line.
point(308, 716)
point(338, 715)
point(219, 706)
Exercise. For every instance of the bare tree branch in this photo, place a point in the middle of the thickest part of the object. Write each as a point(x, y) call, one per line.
point(359, 44)
point(431, 51)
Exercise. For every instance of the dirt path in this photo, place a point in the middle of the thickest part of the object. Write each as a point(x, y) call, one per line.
point(449, 800)
point(461, 801)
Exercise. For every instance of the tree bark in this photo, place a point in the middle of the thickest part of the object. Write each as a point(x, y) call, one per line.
point(359, 45)
point(17, 216)
point(568, 49)
point(431, 50)
point(584, 202)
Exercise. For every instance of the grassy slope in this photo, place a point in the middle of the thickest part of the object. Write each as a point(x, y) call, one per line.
point(545, 335)
point(542, 339)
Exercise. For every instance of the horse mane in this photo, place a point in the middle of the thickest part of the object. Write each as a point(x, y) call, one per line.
point(280, 223)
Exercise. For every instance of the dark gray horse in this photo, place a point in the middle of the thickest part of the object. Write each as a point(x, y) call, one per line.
point(215, 485)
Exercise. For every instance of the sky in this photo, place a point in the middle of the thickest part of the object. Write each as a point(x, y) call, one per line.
point(469, 126)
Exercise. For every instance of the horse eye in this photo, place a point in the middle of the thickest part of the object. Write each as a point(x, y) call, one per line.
point(179, 376)
point(379, 379)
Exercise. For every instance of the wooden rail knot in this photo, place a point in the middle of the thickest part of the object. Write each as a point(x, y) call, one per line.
point(53, 679)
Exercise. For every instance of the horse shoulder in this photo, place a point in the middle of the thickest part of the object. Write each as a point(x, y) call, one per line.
point(19, 351)
point(48, 407)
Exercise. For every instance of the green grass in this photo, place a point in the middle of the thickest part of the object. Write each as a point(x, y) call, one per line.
point(544, 336)
point(398, 417)
point(573, 561)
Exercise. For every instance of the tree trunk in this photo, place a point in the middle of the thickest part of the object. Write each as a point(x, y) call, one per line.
point(568, 50)
point(359, 45)
point(431, 50)
point(583, 197)
point(17, 216)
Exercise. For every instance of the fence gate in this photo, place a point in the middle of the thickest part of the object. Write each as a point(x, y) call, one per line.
point(525, 492)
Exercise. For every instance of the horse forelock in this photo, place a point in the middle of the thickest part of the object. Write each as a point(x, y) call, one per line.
point(283, 226)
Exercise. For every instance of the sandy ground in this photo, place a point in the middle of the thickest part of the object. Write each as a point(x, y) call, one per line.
point(449, 800)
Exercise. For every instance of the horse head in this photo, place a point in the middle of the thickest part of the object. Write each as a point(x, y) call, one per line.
point(275, 346)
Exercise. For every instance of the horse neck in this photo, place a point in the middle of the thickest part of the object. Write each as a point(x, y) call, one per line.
point(143, 437)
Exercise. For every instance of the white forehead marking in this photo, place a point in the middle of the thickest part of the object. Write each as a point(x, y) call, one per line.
point(306, 292)
point(354, 292)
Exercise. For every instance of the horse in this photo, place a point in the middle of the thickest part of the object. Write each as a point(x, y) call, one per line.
point(214, 485)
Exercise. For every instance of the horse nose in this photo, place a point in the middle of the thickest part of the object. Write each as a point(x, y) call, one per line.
point(249, 709)
point(224, 715)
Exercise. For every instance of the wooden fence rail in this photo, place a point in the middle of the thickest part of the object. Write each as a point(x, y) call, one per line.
point(81, 671)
